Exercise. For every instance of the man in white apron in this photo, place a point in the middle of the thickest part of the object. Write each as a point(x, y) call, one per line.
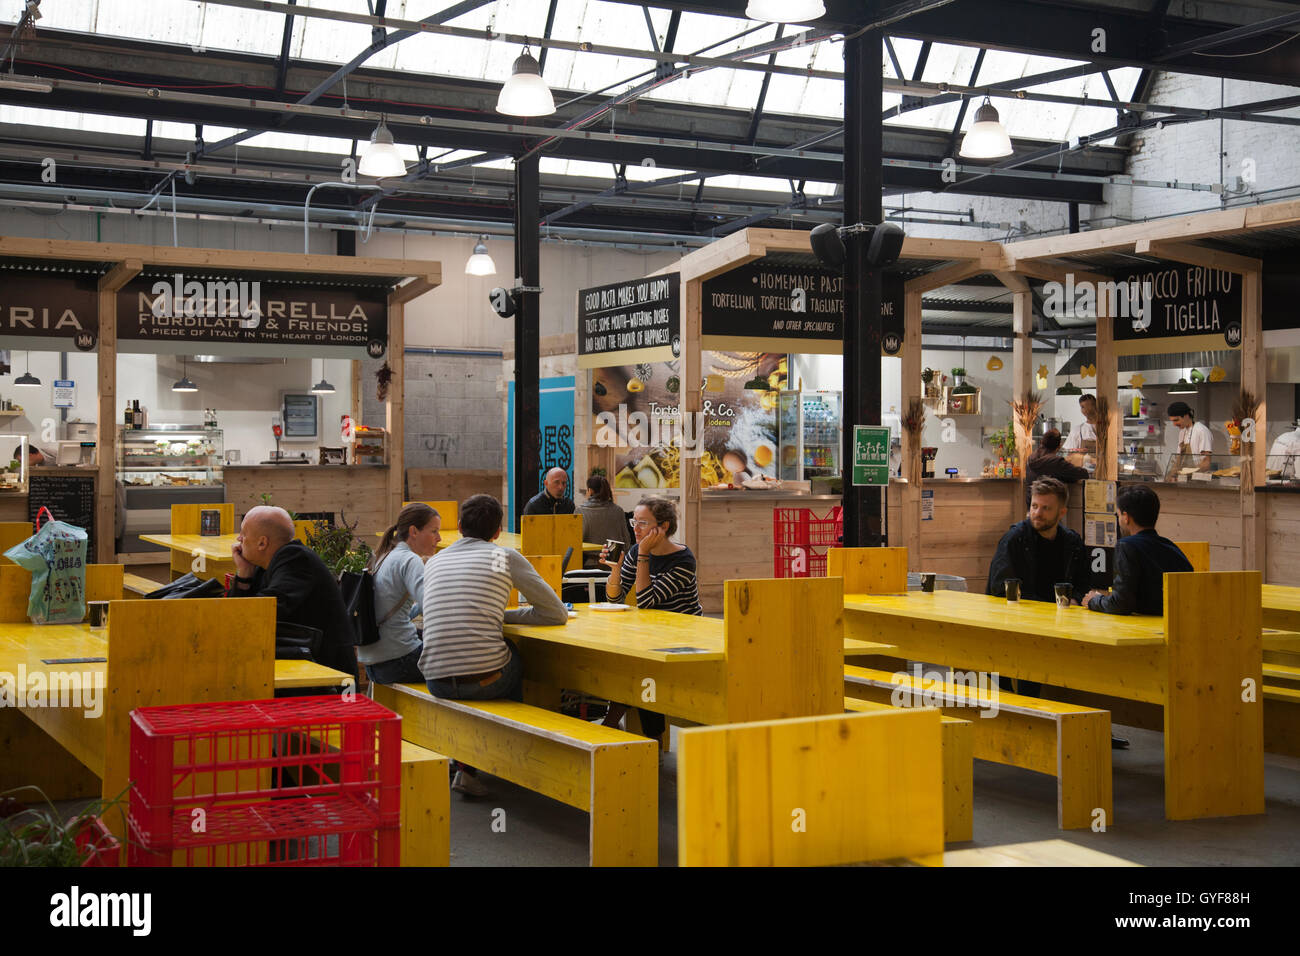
point(1082, 441)
point(1283, 454)
point(1194, 437)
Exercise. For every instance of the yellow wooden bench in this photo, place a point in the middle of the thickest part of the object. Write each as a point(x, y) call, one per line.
point(1068, 741)
point(958, 770)
point(1282, 720)
point(139, 585)
point(611, 774)
point(426, 807)
point(812, 791)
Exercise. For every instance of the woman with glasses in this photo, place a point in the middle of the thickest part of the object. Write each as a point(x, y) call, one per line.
point(661, 573)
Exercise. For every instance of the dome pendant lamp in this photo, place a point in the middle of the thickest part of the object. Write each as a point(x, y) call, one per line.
point(526, 93)
point(987, 138)
point(785, 11)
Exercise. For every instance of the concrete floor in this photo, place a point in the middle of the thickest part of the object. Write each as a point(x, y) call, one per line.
point(1011, 806)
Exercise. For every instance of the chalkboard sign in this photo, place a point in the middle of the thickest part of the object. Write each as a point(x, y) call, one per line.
point(70, 498)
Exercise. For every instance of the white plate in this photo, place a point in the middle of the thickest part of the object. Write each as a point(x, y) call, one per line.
point(607, 606)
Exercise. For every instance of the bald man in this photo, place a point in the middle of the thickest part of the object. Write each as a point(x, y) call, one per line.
point(552, 500)
point(270, 563)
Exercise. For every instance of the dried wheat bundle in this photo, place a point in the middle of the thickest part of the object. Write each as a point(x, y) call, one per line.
point(914, 419)
point(1026, 412)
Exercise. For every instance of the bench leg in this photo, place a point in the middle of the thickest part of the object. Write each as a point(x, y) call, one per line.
point(1083, 774)
point(426, 814)
point(625, 805)
point(958, 781)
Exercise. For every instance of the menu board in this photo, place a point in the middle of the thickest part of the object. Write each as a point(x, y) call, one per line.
point(637, 321)
point(70, 498)
point(1174, 308)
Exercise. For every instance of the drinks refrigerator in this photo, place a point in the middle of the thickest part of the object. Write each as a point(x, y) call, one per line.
point(809, 435)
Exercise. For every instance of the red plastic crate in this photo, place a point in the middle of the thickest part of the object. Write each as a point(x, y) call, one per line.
point(826, 531)
point(288, 782)
point(101, 847)
point(801, 537)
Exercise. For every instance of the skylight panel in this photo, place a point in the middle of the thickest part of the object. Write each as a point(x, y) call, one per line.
point(63, 119)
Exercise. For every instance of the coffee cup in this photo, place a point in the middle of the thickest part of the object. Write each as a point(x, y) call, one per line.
point(927, 581)
point(98, 613)
point(1013, 589)
point(1064, 590)
point(613, 550)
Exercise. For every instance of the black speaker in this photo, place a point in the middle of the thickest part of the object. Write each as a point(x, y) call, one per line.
point(827, 245)
point(885, 245)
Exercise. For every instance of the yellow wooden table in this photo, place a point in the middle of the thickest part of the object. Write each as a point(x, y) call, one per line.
point(1195, 662)
point(163, 652)
point(779, 652)
point(187, 549)
point(1281, 607)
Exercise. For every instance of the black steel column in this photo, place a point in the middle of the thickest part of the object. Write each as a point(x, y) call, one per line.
point(528, 342)
point(863, 181)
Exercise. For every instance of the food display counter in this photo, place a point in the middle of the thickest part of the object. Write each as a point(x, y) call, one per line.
point(161, 466)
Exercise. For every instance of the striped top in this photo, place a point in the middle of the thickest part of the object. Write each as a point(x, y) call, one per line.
point(466, 586)
point(673, 586)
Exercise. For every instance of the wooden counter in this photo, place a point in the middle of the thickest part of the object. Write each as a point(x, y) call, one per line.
point(356, 492)
point(1282, 519)
point(736, 536)
point(1203, 511)
point(970, 516)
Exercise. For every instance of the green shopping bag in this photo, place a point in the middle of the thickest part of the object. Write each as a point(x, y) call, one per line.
point(56, 556)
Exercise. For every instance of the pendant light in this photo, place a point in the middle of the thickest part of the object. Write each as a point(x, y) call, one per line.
point(27, 379)
point(184, 385)
point(380, 159)
point(785, 11)
point(480, 263)
point(987, 138)
point(1069, 388)
point(526, 93)
point(322, 387)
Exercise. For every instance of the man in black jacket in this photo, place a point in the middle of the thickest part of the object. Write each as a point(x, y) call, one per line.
point(1142, 558)
point(1040, 551)
point(1048, 463)
point(552, 500)
point(270, 563)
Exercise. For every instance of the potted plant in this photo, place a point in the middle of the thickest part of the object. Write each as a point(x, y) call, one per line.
point(339, 548)
point(958, 375)
point(42, 837)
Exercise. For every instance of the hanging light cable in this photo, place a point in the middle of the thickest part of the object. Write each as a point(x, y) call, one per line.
point(27, 379)
point(322, 387)
point(184, 385)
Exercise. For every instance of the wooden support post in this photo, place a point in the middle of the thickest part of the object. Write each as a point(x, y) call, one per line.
point(1022, 362)
point(357, 399)
point(1254, 378)
point(395, 408)
point(105, 497)
point(692, 405)
point(1108, 386)
point(909, 512)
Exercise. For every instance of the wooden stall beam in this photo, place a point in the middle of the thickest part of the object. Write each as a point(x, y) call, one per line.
point(1192, 254)
point(106, 361)
point(946, 275)
point(395, 408)
point(1254, 378)
point(1108, 386)
point(909, 514)
point(416, 287)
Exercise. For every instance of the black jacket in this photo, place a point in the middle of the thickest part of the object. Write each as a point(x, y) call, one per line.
point(306, 593)
point(1050, 465)
point(543, 504)
point(1016, 558)
point(1141, 561)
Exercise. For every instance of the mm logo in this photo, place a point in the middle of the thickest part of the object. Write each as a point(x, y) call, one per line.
point(891, 343)
point(85, 341)
point(375, 348)
point(1232, 334)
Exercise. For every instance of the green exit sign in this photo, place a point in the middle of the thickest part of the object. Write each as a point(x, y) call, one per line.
point(870, 455)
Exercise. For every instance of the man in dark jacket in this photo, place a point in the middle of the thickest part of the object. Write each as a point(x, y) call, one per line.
point(1048, 463)
point(270, 563)
point(552, 500)
point(1142, 558)
point(1040, 551)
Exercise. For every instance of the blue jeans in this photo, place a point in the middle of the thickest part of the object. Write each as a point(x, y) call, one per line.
point(509, 686)
point(400, 670)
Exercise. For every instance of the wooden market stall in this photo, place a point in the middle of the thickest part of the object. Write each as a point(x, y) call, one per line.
point(316, 305)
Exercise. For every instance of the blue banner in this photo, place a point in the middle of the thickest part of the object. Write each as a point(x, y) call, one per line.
point(556, 420)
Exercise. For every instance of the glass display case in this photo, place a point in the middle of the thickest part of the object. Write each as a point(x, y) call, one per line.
point(1283, 469)
point(169, 456)
point(820, 434)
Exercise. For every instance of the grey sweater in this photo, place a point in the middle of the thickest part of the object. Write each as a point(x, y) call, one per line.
point(466, 587)
point(399, 589)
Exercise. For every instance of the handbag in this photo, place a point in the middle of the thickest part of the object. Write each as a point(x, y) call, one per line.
point(56, 557)
point(358, 589)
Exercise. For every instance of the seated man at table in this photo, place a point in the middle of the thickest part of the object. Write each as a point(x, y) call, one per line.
point(270, 563)
point(466, 587)
point(1141, 558)
point(1040, 551)
point(552, 500)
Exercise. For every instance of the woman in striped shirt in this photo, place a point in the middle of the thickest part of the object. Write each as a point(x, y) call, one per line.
point(662, 574)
